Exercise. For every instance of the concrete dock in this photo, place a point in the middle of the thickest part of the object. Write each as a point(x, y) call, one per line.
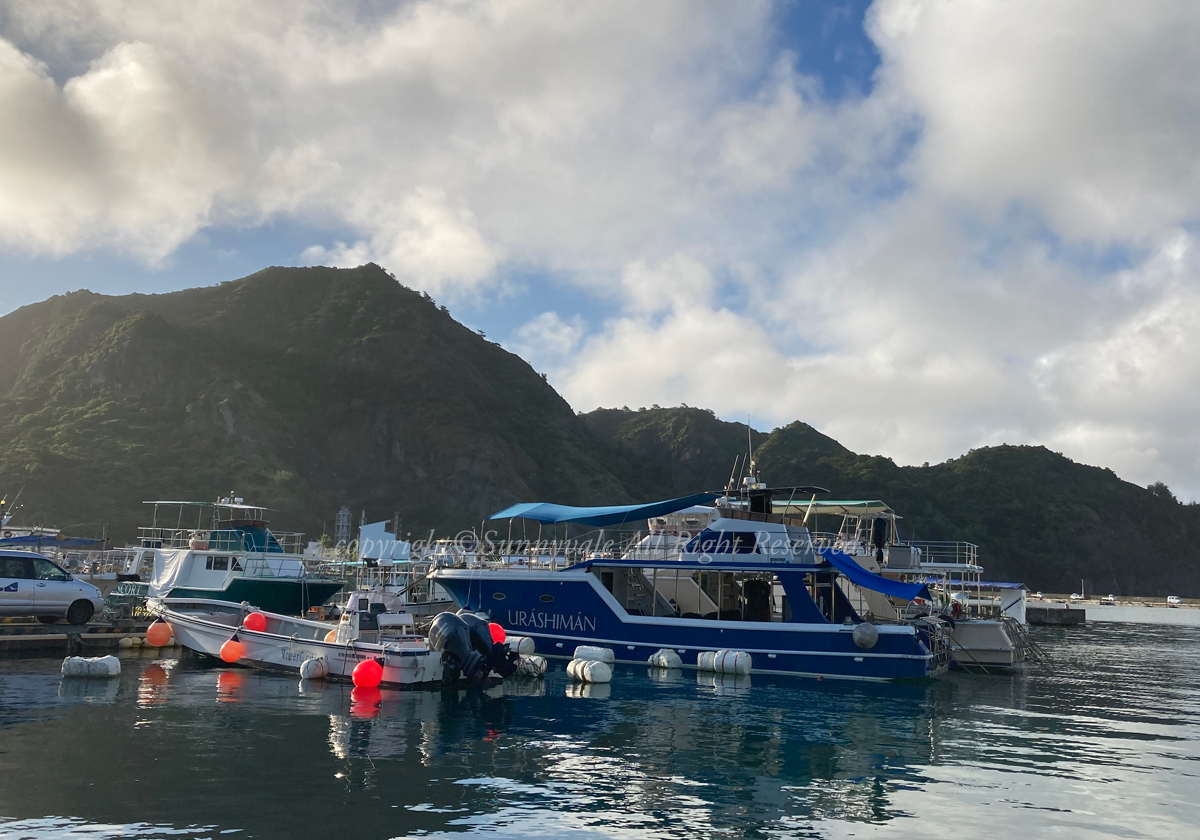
point(1054, 614)
point(17, 638)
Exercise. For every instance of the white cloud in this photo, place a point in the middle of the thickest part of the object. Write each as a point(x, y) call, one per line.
point(1083, 111)
point(548, 341)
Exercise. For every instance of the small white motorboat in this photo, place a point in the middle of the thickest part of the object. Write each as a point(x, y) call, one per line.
point(459, 646)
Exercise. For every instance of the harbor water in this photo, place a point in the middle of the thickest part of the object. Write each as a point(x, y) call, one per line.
point(1103, 742)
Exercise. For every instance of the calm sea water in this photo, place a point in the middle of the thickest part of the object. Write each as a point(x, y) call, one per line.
point(1103, 743)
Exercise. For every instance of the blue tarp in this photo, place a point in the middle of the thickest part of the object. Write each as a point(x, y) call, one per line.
point(859, 576)
point(600, 516)
point(47, 540)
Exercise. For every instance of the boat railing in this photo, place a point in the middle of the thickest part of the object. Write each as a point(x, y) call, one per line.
point(947, 551)
point(220, 540)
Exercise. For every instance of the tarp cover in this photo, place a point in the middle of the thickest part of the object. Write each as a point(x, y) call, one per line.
point(170, 566)
point(859, 576)
point(47, 540)
point(600, 516)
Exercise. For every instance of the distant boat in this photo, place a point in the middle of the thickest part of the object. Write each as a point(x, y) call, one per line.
point(229, 555)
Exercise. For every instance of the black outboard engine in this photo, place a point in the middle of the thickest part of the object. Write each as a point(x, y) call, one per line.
point(450, 636)
point(879, 535)
point(498, 657)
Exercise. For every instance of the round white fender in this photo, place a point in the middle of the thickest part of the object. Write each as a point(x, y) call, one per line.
point(99, 666)
point(314, 669)
point(521, 644)
point(598, 654)
point(665, 658)
point(531, 666)
point(589, 670)
point(866, 635)
point(724, 661)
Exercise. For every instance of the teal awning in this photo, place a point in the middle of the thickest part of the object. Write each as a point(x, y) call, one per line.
point(600, 516)
point(859, 576)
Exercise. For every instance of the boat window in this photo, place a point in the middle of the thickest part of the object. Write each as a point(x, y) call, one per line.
point(547, 598)
point(237, 565)
point(709, 541)
point(217, 564)
point(499, 596)
point(45, 570)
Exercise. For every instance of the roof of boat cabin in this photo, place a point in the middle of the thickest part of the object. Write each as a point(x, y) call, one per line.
point(865, 507)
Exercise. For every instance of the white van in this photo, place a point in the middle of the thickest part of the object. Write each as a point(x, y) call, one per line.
point(1174, 601)
point(32, 585)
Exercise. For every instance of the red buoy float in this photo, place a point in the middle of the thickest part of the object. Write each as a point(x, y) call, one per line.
point(367, 674)
point(498, 634)
point(255, 621)
point(159, 634)
point(233, 650)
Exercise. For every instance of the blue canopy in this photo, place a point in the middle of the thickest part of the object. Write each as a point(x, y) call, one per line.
point(600, 516)
point(859, 576)
point(48, 540)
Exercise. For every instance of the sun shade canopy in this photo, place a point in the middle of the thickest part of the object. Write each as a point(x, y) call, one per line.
point(859, 576)
point(600, 516)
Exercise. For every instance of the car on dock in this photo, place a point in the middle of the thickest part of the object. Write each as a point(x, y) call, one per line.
point(1174, 601)
point(33, 585)
point(1109, 600)
point(1075, 596)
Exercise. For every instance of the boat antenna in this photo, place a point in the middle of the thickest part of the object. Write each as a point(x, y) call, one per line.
point(750, 450)
point(733, 474)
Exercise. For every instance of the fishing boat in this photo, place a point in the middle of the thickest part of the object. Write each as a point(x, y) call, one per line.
point(455, 648)
point(749, 580)
point(986, 619)
point(229, 554)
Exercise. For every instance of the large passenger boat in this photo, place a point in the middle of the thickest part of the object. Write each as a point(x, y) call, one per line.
point(744, 578)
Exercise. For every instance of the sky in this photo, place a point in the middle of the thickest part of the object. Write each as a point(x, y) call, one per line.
point(920, 226)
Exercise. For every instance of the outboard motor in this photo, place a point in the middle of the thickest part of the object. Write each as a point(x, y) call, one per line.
point(497, 657)
point(450, 636)
point(879, 535)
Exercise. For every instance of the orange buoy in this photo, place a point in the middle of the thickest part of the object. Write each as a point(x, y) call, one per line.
point(233, 650)
point(255, 621)
point(331, 636)
point(159, 634)
point(498, 634)
point(367, 674)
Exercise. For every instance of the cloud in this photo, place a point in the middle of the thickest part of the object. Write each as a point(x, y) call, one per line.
point(130, 155)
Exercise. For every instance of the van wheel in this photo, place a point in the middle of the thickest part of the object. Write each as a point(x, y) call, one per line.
point(80, 612)
point(48, 619)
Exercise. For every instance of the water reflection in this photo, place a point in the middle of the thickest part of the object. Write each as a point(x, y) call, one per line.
point(1105, 739)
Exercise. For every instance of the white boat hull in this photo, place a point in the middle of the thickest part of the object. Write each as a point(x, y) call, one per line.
point(403, 665)
point(980, 642)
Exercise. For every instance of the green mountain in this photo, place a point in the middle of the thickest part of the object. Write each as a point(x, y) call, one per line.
point(301, 389)
point(1037, 516)
point(306, 389)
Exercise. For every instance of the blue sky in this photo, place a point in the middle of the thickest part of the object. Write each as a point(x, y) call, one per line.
point(919, 226)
